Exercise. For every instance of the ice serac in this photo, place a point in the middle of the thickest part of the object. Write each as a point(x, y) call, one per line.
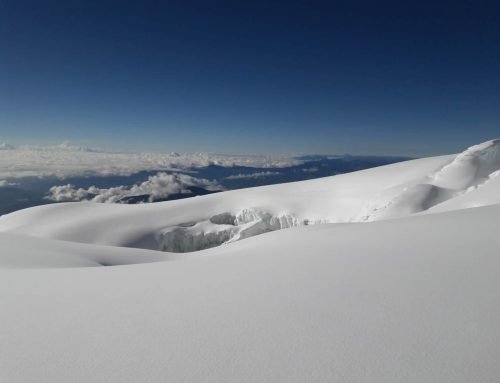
point(222, 228)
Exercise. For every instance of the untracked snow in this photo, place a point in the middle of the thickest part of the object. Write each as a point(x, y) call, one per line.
point(385, 192)
point(341, 294)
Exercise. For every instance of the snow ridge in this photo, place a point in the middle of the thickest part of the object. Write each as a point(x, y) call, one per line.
point(468, 171)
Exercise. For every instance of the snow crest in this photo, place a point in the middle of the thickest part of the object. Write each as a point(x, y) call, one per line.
point(468, 171)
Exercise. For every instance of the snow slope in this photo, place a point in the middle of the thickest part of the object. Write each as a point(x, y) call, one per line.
point(340, 198)
point(414, 298)
point(186, 225)
point(20, 251)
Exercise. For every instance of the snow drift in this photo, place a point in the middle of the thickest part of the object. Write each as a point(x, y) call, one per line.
point(343, 294)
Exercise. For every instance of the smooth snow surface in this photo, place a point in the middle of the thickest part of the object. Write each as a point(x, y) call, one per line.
point(333, 298)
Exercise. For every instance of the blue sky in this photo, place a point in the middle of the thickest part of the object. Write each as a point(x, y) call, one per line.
point(374, 77)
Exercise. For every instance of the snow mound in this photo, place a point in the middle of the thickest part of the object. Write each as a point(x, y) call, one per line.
point(471, 167)
point(25, 252)
point(468, 171)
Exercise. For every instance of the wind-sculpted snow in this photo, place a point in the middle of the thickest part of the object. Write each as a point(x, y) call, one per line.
point(411, 299)
point(470, 168)
point(408, 300)
point(26, 252)
point(391, 191)
point(468, 171)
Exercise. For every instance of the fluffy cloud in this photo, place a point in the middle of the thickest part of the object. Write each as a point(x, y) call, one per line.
point(5, 183)
point(4, 146)
point(67, 160)
point(252, 175)
point(156, 187)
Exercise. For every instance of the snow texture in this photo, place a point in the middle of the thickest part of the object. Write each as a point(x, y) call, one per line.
point(400, 286)
point(391, 191)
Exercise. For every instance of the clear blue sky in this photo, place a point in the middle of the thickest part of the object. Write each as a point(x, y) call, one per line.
point(370, 77)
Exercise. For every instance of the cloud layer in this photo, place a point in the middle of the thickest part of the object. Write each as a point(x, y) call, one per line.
point(252, 175)
point(156, 187)
point(67, 160)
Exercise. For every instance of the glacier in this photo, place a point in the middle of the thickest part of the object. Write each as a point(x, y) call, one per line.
point(384, 275)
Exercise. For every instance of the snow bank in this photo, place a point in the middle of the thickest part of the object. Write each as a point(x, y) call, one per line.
point(26, 252)
point(408, 300)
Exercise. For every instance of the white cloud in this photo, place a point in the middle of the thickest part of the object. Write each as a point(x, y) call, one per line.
point(310, 170)
point(5, 183)
point(157, 187)
point(66, 160)
point(4, 146)
point(252, 175)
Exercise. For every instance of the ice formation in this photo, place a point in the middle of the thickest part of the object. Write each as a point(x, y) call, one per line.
point(222, 228)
